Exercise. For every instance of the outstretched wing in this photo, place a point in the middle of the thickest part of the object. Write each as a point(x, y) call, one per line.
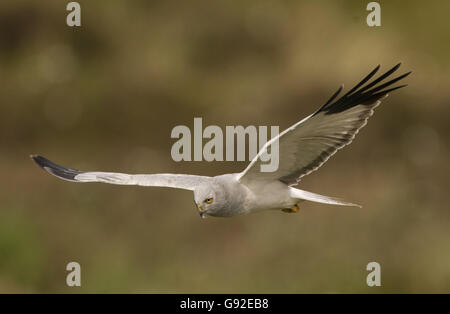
point(306, 145)
point(178, 181)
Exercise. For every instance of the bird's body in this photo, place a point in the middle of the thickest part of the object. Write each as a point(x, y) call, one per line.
point(303, 148)
point(249, 199)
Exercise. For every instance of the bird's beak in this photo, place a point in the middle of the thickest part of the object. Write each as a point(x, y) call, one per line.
point(201, 211)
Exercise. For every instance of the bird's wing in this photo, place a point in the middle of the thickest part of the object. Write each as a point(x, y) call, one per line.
point(178, 181)
point(306, 145)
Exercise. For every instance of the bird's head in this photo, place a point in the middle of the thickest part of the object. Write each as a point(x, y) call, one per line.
point(207, 199)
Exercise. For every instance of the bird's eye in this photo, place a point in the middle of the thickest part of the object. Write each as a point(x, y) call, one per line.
point(209, 200)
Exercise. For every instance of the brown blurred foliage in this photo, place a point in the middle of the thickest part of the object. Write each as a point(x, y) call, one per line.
point(106, 95)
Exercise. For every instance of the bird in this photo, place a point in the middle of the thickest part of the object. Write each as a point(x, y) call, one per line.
point(303, 148)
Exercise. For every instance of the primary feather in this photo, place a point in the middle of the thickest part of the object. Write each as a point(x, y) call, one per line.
point(308, 144)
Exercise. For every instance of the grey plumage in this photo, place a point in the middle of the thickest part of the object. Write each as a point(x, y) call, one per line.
point(303, 148)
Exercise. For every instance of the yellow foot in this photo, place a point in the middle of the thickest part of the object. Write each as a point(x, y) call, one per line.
point(293, 209)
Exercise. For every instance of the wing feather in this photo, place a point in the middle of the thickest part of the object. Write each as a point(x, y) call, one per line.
point(308, 144)
point(179, 181)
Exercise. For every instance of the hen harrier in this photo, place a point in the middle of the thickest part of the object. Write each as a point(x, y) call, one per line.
point(303, 148)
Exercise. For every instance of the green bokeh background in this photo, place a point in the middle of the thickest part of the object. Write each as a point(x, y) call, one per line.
point(106, 96)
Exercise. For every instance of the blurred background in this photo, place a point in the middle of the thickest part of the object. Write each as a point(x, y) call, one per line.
point(106, 95)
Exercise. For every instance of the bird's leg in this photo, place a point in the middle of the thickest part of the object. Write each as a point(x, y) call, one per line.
point(293, 209)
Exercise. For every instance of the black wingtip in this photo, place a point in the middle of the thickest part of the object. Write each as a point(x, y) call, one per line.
point(364, 93)
point(54, 169)
point(333, 96)
point(39, 160)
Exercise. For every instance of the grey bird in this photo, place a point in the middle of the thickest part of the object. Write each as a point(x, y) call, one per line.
point(303, 148)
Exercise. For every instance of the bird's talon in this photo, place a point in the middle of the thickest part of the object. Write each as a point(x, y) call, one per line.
point(291, 210)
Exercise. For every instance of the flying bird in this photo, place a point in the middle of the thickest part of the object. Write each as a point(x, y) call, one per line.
point(303, 148)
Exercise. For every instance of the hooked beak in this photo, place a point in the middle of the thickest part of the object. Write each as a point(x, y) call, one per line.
point(201, 211)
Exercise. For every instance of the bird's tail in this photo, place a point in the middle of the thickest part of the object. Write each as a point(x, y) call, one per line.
point(313, 197)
